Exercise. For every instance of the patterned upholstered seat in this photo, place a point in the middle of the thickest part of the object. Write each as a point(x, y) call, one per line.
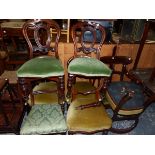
point(117, 90)
point(44, 119)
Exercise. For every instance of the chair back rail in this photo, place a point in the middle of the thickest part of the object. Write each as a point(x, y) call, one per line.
point(116, 60)
point(87, 46)
point(41, 44)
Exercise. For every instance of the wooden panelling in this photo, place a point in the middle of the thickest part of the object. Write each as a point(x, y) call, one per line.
point(147, 59)
point(66, 50)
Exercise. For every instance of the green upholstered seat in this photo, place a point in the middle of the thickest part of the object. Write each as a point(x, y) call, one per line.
point(88, 67)
point(44, 119)
point(43, 66)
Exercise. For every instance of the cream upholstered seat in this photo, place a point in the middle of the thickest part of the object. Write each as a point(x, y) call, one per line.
point(89, 120)
point(42, 98)
point(83, 116)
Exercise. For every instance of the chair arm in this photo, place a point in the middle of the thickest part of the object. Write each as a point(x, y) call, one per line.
point(134, 78)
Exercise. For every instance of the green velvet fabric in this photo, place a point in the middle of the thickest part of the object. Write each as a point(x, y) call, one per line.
point(88, 67)
point(43, 66)
point(44, 119)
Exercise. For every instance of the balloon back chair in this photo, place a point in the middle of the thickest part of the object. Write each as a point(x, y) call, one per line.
point(43, 68)
point(86, 114)
point(128, 98)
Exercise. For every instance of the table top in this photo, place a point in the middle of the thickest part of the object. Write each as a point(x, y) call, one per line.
point(12, 24)
point(12, 29)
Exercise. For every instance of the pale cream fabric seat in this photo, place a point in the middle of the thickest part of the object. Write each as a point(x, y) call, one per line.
point(50, 98)
point(87, 120)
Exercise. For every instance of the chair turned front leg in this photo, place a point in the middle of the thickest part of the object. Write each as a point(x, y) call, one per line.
point(61, 91)
point(25, 89)
point(105, 84)
point(69, 85)
point(11, 95)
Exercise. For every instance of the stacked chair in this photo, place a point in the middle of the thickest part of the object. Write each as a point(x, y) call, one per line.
point(87, 76)
point(40, 77)
point(42, 88)
point(91, 91)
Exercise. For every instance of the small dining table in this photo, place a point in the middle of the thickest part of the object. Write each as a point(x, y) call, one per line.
point(13, 30)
